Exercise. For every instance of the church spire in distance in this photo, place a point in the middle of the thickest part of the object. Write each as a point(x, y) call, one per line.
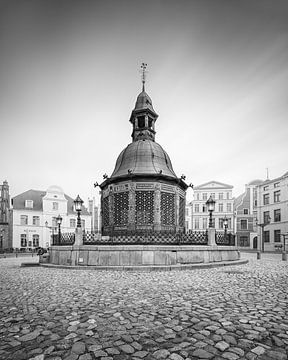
point(143, 116)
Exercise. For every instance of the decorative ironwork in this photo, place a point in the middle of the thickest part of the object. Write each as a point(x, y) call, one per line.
point(167, 208)
point(181, 211)
point(147, 238)
point(105, 210)
point(66, 239)
point(223, 238)
point(144, 207)
point(121, 206)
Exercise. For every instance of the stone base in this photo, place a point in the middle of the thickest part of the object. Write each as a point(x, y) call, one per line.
point(140, 255)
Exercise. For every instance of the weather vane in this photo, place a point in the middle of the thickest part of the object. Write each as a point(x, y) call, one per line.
point(143, 71)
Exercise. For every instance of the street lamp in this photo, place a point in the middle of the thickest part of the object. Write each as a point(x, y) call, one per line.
point(211, 207)
point(225, 223)
point(59, 221)
point(78, 206)
point(262, 230)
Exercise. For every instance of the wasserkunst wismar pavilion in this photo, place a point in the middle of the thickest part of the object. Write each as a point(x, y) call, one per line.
point(143, 211)
point(143, 193)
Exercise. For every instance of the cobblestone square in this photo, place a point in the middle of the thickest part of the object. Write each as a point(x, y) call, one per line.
point(236, 312)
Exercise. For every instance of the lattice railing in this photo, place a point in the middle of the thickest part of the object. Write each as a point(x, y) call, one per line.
point(223, 238)
point(147, 238)
point(66, 239)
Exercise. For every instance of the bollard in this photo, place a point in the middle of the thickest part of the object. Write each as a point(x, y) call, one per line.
point(258, 255)
point(284, 256)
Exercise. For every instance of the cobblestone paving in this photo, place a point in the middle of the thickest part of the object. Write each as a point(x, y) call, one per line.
point(237, 312)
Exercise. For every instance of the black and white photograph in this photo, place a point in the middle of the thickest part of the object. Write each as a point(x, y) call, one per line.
point(144, 179)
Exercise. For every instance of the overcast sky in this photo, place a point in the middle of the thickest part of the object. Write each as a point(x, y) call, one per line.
point(69, 79)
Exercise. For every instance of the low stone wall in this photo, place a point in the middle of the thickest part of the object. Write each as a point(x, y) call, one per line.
point(140, 255)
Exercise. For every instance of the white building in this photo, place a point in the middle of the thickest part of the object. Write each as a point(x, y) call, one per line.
point(222, 194)
point(272, 213)
point(34, 216)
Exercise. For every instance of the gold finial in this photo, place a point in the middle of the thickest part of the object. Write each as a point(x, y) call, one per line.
point(144, 71)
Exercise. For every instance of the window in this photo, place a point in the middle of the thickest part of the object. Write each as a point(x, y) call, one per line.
point(266, 217)
point(187, 211)
point(220, 196)
point(35, 240)
point(220, 207)
point(23, 219)
point(276, 184)
point(23, 238)
point(243, 224)
point(244, 241)
point(29, 204)
point(72, 223)
point(55, 205)
point(229, 223)
point(277, 215)
point(266, 236)
point(229, 207)
point(196, 223)
point(265, 188)
point(150, 122)
point(204, 223)
point(221, 223)
point(213, 196)
point(228, 195)
point(204, 196)
point(141, 122)
point(266, 199)
point(83, 224)
point(277, 235)
point(198, 196)
point(196, 208)
point(245, 211)
point(36, 220)
point(204, 208)
point(54, 222)
point(277, 196)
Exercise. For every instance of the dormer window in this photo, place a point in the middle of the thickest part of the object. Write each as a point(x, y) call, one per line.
point(29, 204)
point(55, 205)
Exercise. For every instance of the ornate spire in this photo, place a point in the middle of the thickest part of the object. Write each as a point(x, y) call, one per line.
point(143, 67)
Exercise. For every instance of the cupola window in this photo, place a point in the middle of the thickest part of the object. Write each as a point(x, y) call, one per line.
point(141, 122)
point(150, 122)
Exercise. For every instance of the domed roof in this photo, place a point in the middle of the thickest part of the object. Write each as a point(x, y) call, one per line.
point(143, 102)
point(143, 157)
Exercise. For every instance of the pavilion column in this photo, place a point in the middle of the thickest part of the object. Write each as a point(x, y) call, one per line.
point(177, 206)
point(157, 208)
point(132, 208)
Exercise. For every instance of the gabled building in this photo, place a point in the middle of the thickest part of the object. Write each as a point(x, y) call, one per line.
point(34, 216)
point(222, 194)
point(272, 213)
point(245, 207)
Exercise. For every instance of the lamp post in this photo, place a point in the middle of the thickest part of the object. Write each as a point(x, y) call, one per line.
point(284, 254)
point(78, 206)
point(262, 230)
point(211, 207)
point(59, 221)
point(225, 223)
